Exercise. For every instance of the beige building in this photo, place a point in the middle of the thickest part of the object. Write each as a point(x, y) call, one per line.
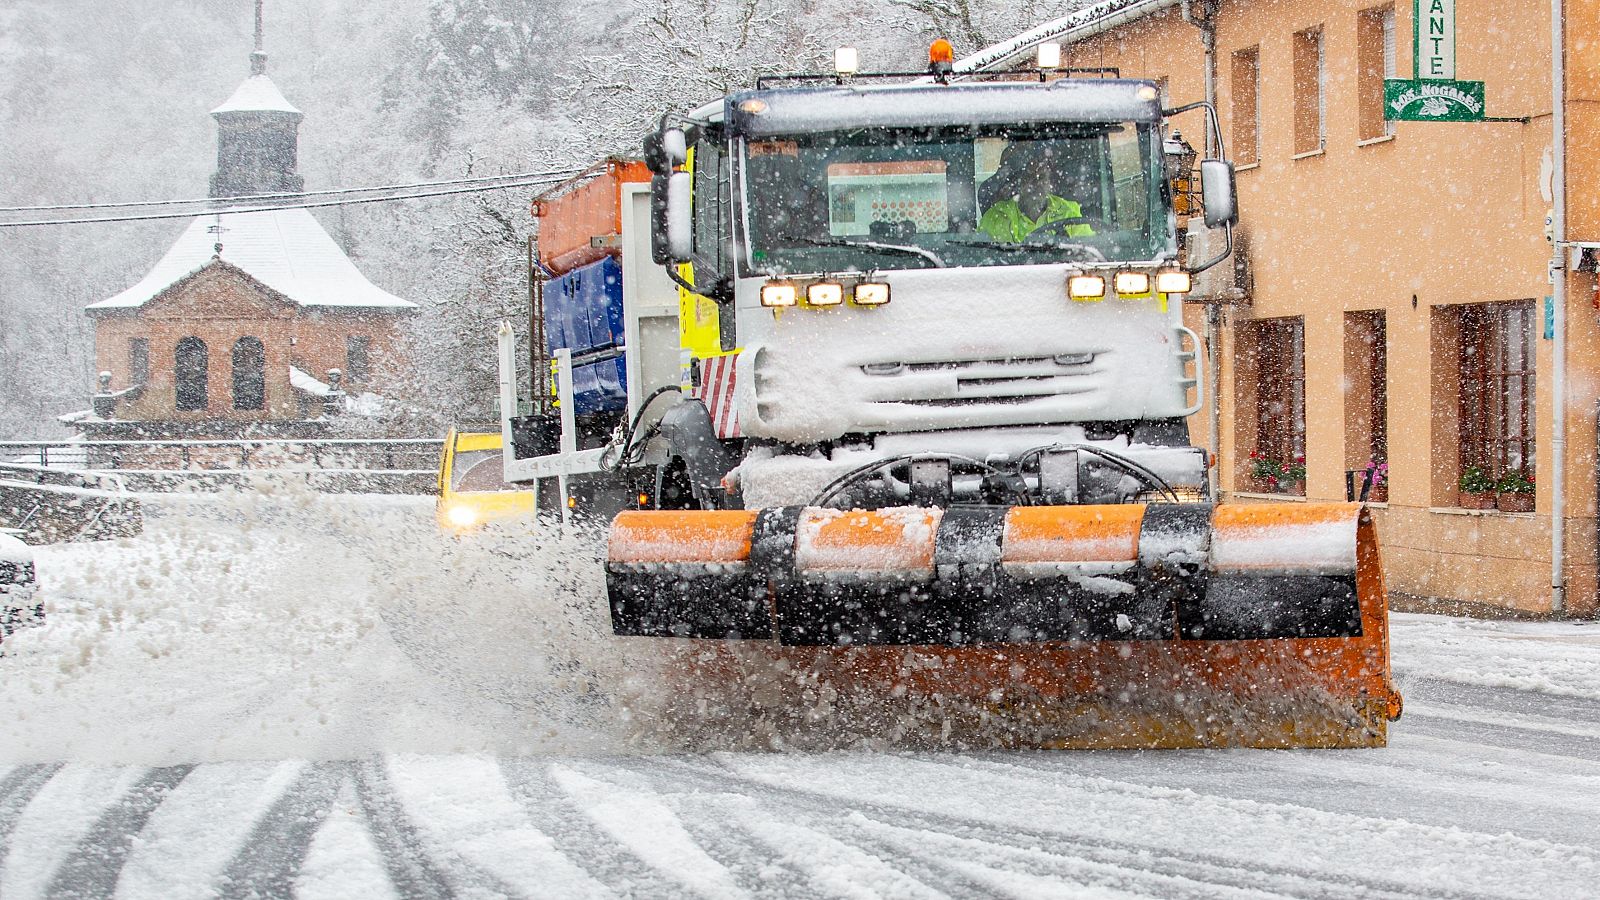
point(1395, 273)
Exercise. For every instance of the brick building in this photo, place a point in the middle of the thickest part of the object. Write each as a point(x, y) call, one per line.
point(1394, 302)
point(252, 323)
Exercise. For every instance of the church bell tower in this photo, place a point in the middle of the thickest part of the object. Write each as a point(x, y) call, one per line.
point(258, 135)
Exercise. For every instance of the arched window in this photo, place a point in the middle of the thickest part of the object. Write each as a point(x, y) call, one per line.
point(190, 372)
point(249, 374)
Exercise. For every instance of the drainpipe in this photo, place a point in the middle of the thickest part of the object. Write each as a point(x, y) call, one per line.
point(1208, 40)
point(1558, 298)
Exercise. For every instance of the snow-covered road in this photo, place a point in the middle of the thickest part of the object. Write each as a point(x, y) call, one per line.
point(294, 695)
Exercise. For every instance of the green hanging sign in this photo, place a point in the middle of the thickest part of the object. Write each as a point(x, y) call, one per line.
point(1432, 101)
point(1433, 94)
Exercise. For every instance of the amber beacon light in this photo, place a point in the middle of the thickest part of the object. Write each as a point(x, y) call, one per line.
point(941, 57)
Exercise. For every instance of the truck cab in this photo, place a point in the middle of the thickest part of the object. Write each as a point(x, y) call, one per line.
point(959, 269)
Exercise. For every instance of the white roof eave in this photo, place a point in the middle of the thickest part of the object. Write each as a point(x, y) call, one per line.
point(1084, 23)
point(285, 249)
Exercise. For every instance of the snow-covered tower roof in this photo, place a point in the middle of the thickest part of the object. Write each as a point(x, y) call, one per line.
point(258, 136)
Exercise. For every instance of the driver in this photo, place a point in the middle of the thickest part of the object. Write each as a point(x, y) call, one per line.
point(1033, 204)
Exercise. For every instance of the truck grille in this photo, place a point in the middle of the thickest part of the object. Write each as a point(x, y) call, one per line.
point(1009, 379)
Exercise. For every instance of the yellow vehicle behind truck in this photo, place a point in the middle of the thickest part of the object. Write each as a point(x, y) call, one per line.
point(472, 491)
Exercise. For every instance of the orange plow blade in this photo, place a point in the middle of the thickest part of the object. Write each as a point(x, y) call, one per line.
point(1070, 626)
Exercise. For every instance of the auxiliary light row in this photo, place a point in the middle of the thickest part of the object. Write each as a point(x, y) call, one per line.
point(1129, 284)
point(782, 294)
point(779, 294)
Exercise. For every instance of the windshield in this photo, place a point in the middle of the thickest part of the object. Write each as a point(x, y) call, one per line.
point(480, 470)
point(897, 198)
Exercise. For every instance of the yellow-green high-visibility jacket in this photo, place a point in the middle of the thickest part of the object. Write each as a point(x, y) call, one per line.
point(1005, 220)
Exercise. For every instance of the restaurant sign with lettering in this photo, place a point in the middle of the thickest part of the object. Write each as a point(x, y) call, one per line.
point(1433, 94)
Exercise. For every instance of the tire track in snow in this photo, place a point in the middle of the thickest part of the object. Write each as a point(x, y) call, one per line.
point(1518, 701)
point(872, 829)
point(577, 836)
point(92, 869)
point(711, 819)
point(272, 856)
point(1158, 863)
point(1246, 874)
point(16, 792)
point(405, 856)
point(483, 838)
point(643, 822)
point(1505, 718)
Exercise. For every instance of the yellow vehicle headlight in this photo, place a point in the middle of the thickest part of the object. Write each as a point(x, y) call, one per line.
point(871, 293)
point(825, 293)
point(1176, 282)
point(462, 516)
point(1086, 287)
point(779, 294)
point(1133, 283)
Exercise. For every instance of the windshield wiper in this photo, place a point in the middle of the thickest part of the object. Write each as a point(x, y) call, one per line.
point(1093, 252)
point(873, 245)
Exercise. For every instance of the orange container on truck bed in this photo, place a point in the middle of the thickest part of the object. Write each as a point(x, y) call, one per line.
point(570, 223)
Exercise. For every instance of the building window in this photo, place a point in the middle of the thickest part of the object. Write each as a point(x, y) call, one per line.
point(249, 374)
point(189, 370)
point(1375, 62)
point(357, 357)
point(1245, 110)
point(1275, 350)
point(1310, 91)
point(1366, 425)
point(1496, 363)
point(138, 362)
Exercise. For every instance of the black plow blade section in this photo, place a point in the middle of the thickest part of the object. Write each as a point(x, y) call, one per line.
point(1259, 606)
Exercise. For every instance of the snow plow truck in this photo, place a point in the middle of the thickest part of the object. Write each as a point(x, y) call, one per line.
point(883, 386)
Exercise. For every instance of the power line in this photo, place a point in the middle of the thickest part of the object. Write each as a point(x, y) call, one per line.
point(557, 173)
point(221, 210)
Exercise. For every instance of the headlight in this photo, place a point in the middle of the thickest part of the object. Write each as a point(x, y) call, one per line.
point(1086, 287)
point(1174, 282)
point(778, 294)
point(825, 293)
point(870, 293)
point(1133, 283)
point(462, 516)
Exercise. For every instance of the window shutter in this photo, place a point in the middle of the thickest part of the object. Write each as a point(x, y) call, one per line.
point(1388, 42)
point(1388, 57)
point(1322, 92)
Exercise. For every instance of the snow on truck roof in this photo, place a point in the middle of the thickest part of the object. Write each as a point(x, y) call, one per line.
point(285, 249)
point(791, 110)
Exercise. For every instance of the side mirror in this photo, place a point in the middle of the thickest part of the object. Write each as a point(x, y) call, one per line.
point(679, 230)
point(665, 149)
point(655, 156)
point(1217, 192)
point(659, 252)
point(675, 144)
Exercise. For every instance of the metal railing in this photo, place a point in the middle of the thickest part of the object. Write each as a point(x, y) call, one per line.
point(404, 465)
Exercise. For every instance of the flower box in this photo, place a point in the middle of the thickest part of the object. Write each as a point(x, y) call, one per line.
point(1514, 501)
point(1378, 493)
point(1476, 499)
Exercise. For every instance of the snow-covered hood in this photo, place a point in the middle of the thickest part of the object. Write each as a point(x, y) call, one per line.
point(961, 348)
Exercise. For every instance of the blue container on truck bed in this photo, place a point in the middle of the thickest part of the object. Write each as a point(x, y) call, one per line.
point(583, 313)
